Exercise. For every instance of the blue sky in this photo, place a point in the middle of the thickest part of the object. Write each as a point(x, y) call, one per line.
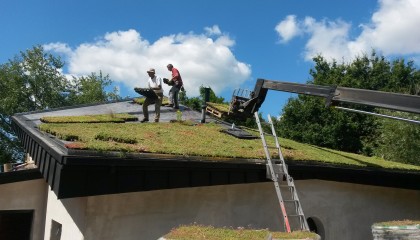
point(219, 43)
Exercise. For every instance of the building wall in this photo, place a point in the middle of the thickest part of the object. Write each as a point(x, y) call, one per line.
point(70, 213)
point(340, 210)
point(149, 215)
point(27, 195)
point(347, 211)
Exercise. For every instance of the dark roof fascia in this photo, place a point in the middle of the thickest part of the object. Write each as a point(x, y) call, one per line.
point(26, 128)
point(111, 157)
point(299, 171)
point(358, 175)
point(87, 176)
point(19, 176)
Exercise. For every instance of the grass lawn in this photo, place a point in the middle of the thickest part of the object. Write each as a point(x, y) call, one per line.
point(191, 139)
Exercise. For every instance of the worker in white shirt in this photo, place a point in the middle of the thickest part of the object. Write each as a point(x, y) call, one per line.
point(155, 83)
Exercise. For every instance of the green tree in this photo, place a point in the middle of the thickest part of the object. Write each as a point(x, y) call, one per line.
point(197, 102)
point(33, 81)
point(91, 89)
point(399, 141)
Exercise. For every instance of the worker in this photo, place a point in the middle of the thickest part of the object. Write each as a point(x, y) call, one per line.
point(177, 85)
point(155, 84)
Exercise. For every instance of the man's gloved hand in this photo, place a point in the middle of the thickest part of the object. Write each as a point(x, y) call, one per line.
point(167, 81)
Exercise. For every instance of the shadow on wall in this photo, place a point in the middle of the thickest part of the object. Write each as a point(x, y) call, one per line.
point(316, 226)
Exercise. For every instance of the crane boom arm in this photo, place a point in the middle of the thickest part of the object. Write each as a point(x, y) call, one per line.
point(246, 106)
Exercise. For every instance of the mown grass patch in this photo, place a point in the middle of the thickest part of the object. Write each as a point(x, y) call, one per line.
point(213, 233)
point(116, 118)
point(192, 139)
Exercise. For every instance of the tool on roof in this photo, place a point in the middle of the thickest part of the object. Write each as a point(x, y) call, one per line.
point(290, 206)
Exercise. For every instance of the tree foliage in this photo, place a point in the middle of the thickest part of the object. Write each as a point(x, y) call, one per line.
point(197, 102)
point(305, 118)
point(91, 89)
point(399, 141)
point(33, 81)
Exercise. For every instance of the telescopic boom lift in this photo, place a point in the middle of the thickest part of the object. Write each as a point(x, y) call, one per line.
point(245, 103)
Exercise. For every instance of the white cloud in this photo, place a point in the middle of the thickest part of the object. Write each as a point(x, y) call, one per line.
point(58, 47)
point(327, 38)
point(215, 30)
point(391, 31)
point(393, 28)
point(126, 56)
point(288, 29)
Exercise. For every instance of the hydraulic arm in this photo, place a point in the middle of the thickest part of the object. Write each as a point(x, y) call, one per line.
point(245, 103)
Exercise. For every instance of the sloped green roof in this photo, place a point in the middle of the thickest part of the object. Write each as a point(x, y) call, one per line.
point(189, 138)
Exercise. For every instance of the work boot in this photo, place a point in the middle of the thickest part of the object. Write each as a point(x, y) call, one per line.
point(144, 120)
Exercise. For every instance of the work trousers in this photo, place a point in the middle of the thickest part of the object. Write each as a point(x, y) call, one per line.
point(158, 103)
point(173, 96)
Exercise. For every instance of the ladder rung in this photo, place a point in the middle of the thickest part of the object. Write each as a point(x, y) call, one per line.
point(286, 186)
point(277, 171)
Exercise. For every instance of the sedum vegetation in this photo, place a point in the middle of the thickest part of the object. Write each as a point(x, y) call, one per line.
point(398, 223)
point(116, 118)
point(219, 106)
point(192, 139)
point(212, 233)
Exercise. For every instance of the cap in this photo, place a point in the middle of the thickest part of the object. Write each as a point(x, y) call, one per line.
point(152, 70)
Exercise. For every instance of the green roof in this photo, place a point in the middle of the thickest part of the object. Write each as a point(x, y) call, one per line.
point(189, 138)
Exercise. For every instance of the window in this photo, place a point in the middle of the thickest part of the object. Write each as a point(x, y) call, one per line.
point(16, 224)
point(55, 233)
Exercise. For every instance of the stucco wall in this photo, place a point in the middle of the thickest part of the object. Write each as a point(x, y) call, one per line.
point(27, 195)
point(346, 211)
point(149, 215)
point(70, 213)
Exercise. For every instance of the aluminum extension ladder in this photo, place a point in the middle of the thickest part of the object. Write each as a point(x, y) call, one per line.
point(279, 174)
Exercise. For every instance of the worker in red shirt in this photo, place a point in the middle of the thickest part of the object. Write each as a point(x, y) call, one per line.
point(177, 85)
